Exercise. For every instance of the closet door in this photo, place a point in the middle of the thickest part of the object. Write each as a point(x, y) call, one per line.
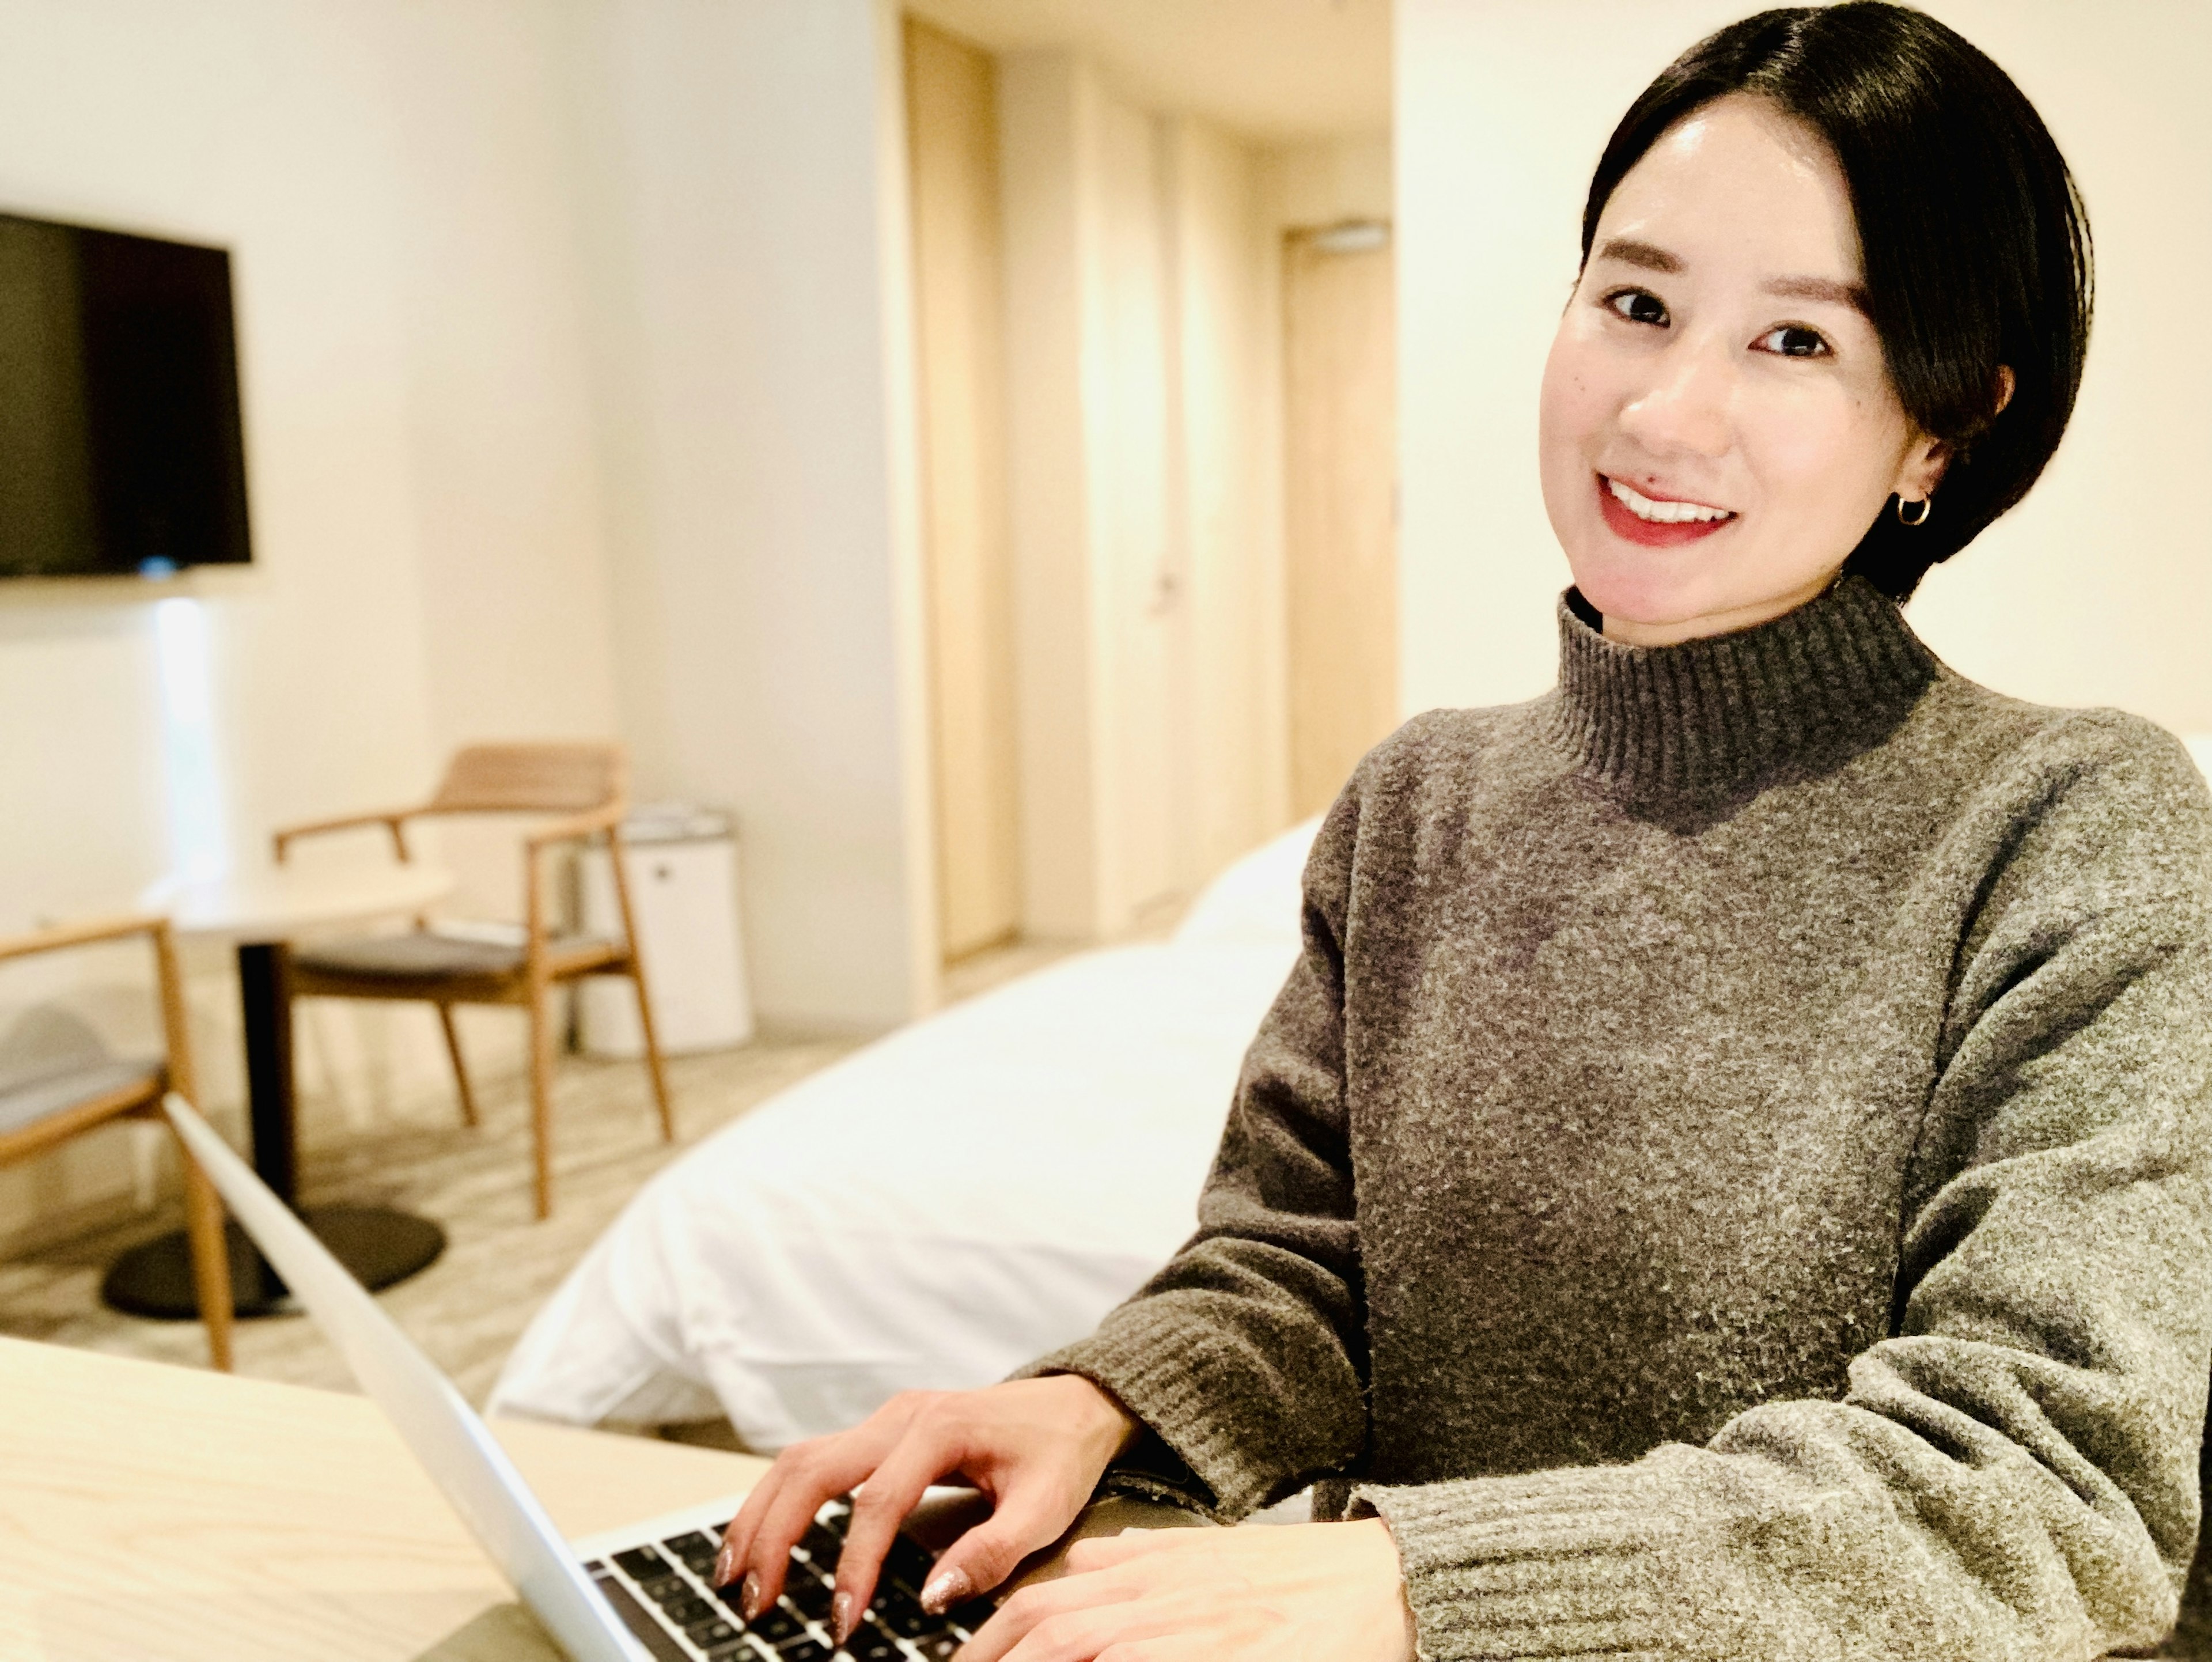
point(1340, 512)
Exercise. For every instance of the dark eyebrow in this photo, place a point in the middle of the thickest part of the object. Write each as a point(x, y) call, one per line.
point(1827, 290)
point(1652, 258)
point(1629, 252)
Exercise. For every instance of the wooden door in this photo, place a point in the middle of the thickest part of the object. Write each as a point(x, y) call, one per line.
point(1341, 514)
point(953, 160)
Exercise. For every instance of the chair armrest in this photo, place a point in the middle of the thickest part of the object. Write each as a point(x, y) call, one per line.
point(604, 818)
point(577, 825)
point(393, 820)
point(169, 983)
point(80, 935)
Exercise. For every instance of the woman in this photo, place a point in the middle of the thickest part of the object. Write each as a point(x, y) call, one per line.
point(1728, 1175)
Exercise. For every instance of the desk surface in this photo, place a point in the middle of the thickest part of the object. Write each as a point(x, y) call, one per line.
point(150, 1512)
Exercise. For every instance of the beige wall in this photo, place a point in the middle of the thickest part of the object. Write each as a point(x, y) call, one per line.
point(2095, 591)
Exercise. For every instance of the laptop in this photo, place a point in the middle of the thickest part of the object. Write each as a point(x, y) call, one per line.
point(641, 1594)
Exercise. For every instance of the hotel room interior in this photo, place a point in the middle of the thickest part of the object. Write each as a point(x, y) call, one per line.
point(954, 487)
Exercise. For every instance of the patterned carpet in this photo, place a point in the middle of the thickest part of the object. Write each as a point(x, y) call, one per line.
point(500, 1263)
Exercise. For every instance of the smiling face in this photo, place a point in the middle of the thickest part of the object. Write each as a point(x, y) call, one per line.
point(1718, 429)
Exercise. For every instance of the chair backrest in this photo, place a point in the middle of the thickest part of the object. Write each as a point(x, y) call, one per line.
point(532, 778)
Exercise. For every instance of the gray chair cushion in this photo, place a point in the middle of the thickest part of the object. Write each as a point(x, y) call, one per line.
point(27, 1101)
point(422, 956)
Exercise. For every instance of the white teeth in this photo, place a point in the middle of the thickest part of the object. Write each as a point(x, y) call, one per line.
point(1664, 513)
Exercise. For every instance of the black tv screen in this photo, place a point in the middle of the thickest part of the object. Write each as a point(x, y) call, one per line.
point(120, 443)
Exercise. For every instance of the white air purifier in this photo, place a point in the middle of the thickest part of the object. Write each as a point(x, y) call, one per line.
point(683, 870)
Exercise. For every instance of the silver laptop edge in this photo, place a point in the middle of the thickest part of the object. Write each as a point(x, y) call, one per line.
point(437, 1423)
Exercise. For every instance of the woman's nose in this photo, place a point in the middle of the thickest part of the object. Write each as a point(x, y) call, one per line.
point(1684, 408)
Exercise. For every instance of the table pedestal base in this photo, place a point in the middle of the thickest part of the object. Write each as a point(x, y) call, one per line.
point(378, 1244)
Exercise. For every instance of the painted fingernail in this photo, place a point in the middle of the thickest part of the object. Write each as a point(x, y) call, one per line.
point(840, 1616)
point(749, 1596)
point(946, 1589)
point(726, 1566)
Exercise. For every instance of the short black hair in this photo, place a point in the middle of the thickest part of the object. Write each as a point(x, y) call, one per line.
point(1975, 238)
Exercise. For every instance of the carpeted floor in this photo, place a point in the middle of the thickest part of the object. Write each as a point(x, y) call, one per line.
point(500, 1263)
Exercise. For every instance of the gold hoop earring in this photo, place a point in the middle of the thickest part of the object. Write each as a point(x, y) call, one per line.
point(1925, 504)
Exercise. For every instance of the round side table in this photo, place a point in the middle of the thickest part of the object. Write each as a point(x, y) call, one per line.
point(259, 913)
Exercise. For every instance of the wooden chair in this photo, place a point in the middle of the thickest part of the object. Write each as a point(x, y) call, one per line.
point(51, 1106)
point(588, 784)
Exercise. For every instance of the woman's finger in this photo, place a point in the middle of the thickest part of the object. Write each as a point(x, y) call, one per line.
point(806, 1476)
point(1045, 1616)
point(1029, 1515)
point(936, 1445)
point(1101, 1551)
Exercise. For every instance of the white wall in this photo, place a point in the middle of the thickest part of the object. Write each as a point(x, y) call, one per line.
point(572, 335)
point(266, 127)
point(2094, 591)
point(744, 206)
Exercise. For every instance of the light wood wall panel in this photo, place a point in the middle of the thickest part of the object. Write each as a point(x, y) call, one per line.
point(953, 156)
point(1341, 535)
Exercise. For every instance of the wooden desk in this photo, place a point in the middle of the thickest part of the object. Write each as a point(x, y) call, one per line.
point(150, 1513)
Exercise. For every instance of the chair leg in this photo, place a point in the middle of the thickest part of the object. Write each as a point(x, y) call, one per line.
point(653, 1059)
point(460, 1067)
point(210, 1259)
point(541, 1098)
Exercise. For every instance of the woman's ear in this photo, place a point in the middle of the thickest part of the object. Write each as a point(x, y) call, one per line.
point(1924, 462)
point(1926, 458)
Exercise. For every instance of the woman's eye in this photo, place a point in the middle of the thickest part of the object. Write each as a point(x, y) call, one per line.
point(1790, 341)
point(1637, 306)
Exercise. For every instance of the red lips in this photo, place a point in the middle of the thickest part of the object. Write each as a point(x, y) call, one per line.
point(1645, 533)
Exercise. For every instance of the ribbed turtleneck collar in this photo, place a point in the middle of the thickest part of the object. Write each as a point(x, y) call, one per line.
point(1717, 714)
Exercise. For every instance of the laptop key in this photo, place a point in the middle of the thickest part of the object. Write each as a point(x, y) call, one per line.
point(972, 1615)
point(642, 1564)
point(871, 1644)
point(911, 1621)
point(821, 1545)
point(709, 1633)
point(809, 1594)
point(939, 1649)
point(804, 1650)
point(659, 1644)
point(908, 1562)
point(662, 1588)
point(773, 1625)
point(692, 1548)
point(687, 1612)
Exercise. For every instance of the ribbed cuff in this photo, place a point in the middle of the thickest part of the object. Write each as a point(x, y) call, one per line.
point(1591, 1561)
point(1186, 1385)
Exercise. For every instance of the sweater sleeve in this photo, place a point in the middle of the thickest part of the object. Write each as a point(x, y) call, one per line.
point(2013, 1470)
point(1247, 1354)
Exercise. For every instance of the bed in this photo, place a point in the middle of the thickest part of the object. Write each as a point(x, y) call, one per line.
point(965, 1194)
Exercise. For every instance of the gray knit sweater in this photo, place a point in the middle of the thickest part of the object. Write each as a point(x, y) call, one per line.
point(1728, 1177)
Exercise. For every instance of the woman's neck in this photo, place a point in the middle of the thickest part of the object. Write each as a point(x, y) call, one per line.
point(1630, 632)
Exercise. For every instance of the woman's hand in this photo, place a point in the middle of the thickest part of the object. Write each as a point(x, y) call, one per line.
point(1298, 1593)
point(1037, 1447)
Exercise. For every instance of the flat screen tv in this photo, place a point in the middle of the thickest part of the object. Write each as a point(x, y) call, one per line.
point(120, 445)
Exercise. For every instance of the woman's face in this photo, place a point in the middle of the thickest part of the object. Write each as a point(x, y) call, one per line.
point(1718, 429)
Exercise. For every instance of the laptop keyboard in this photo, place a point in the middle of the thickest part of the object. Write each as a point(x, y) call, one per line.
point(664, 1595)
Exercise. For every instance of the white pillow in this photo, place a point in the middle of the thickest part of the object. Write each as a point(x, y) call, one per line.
point(2200, 752)
point(1258, 899)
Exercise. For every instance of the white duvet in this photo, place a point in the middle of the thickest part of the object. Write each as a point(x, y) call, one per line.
point(934, 1210)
